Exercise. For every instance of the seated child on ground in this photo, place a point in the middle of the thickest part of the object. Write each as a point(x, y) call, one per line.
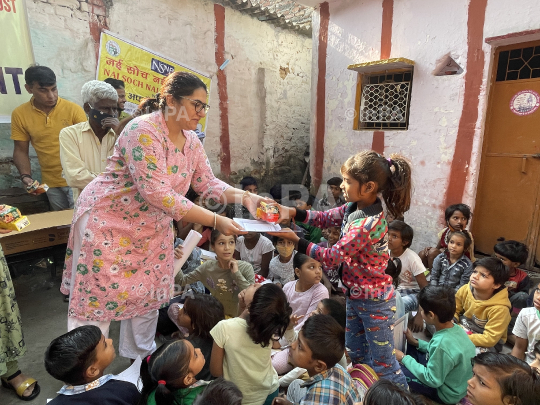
point(527, 330)
point(452, 268)
point(333, 197)
point(536, 363)
point(514, 254)
point(79, 359)
point(242, 346)
point(438, 369)
point(304, 295)
point(281, 266)
point(412, 278)
point(501, 379)
point(319, 347)
point(224, 277)
point(385, 392)
point(332, 272)
point(168, 375)
point(257, 250)
point(328, 306)
point(220, 392)
point(199, 314)
point(312, 233)
point(457, 217)
point(250, 184)
point(482, 306)
point(393, 269)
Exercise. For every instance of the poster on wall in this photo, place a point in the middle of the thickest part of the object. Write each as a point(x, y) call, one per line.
point(141, 69)
point(16, 56)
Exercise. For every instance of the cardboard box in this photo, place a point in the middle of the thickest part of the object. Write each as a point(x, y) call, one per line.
point(47, 229)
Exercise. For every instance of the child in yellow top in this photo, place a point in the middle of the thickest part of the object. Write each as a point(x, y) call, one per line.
point(483, 307)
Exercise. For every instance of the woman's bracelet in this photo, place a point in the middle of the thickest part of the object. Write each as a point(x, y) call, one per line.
point(215, 220)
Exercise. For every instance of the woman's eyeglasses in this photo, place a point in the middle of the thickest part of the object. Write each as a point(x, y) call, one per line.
point(199, 105)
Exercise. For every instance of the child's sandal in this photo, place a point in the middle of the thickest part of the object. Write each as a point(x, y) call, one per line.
point(23, 387)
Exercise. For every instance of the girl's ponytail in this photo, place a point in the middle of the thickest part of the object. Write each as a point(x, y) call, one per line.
point(397, 193)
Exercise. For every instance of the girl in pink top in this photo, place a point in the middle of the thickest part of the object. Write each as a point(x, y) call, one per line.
point(119, 261)
point(303, 295)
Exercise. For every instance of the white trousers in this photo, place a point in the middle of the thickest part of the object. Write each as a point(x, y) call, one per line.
point(136, 334)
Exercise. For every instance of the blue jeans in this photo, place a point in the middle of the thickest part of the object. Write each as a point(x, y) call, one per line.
point(60, 198)
point(410, 301)
point(370, 338)
point(415, 385)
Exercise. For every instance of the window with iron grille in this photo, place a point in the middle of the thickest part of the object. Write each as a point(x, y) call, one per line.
point(384, 101)
point(519, 64)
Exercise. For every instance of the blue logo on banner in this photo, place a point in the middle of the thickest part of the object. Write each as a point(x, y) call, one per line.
point(161, 67)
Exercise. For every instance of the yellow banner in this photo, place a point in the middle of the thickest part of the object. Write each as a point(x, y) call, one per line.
point(141, 69)
point(16, 56)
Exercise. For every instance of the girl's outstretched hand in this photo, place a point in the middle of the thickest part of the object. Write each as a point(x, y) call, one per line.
point(286, 233)
point(252, 201)
point(294, 321)
point(233, 265)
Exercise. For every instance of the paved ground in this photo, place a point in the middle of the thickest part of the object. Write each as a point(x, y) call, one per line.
point(43, 314)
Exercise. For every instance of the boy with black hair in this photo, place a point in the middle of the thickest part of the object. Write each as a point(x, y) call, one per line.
point(39, 122)
point(513, 254)
point(250, 184)
point(79, 358)
point(334, 197)
point(439, 369)
point(319, 347)
point(312, 233)
point(482, 305)
point(412, 278)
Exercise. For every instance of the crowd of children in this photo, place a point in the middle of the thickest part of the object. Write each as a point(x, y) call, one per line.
point(271, 332)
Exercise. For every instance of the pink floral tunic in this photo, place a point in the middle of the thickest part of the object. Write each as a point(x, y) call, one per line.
point(125, 267)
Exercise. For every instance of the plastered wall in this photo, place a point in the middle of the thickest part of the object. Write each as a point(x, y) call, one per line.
point(268, 76)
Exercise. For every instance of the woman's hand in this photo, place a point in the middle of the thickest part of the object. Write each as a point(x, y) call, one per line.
point(228, 227)
point(4, 231)
point(286, 234)
point(233, 265)
point(178, 252)
point(252, 201)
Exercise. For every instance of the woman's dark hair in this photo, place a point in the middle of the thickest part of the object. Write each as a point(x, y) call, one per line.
point(116, 83)
point(517, 379)
point(248, 181)
point(336, 310)
point(68, 356)
point(440, 300)
point(496, 268)
point(178, 85)
point(269, 314)
point(386, 392)
point(169, 363)
point(392, 176)
point(463, 208)
point(406, 232)
point(393, 269)
point(215, 235)
point(513, 250)
point(325, 338)
point(205, 312)
point(43, 75)
point(220, 392)
point(147, 106)
point(466, 238)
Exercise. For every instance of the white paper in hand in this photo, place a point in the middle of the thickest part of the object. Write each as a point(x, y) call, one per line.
point(189, 244)
point(256, 225)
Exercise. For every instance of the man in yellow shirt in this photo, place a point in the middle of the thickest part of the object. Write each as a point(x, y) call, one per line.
point(39, 122)
point(85, 147)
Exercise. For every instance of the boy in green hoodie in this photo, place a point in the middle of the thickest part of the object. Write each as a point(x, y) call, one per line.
point(439, 369)
point(483, 307)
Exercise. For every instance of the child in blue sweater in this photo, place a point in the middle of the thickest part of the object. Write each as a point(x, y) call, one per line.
point(439, 369)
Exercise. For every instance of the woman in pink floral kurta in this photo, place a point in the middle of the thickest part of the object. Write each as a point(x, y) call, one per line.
point(124, 269)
